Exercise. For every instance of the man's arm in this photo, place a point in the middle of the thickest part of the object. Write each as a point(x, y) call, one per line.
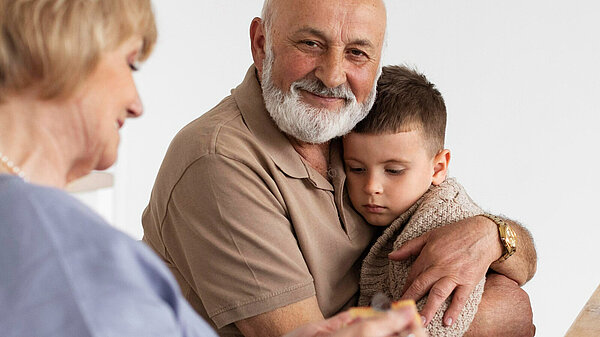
point(397, 322)
point(282, 320)
point(504, 310)
point(223, 222)
point(521, 266)
point(453, 258)
point(306, 313)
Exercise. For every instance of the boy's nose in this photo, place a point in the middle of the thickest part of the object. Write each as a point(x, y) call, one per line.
point(372, 186)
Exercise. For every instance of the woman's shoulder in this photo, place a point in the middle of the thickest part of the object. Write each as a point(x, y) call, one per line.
point(86, 267)
point(31, 205)
point(35, 217)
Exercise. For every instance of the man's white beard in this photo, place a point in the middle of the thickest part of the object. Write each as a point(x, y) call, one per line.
point(305, 122)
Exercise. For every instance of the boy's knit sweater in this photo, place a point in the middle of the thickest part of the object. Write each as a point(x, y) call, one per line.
point(439, 206)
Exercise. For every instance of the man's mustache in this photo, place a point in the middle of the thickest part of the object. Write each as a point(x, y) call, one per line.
point(315, 86)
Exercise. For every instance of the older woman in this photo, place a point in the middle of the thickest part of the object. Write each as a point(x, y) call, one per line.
point(66, 88)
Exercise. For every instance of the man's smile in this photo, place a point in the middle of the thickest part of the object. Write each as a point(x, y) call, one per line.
point(320, 101)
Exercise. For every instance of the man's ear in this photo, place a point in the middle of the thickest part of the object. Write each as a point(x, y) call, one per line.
point(258, 44)
point(440, 167)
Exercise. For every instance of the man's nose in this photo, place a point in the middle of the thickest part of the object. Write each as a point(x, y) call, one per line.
point(331, 70)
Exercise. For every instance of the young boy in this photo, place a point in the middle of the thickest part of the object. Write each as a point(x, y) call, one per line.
point(396, 168)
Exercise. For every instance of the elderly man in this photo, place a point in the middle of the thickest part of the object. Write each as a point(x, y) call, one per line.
point(249, 209)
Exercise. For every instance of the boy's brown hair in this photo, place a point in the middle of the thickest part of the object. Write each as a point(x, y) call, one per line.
point(407, 101)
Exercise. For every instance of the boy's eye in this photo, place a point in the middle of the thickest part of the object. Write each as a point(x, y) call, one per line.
point(394, 171)
point(356, 169)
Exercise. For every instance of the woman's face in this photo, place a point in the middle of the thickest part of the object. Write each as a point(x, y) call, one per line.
point(106, 99)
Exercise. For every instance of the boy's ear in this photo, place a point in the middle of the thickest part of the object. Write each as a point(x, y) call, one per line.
point(440, 167)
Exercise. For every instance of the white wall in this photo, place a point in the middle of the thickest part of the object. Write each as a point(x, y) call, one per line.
point(521, 82)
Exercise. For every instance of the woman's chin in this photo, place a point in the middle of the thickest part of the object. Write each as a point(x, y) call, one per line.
point(106, 161)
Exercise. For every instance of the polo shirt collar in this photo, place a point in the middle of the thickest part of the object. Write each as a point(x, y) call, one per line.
point(249, 98)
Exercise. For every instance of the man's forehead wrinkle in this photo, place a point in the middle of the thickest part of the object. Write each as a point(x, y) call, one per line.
point(322, 34)
point(276, 5)
point(343, 25)
point(355, 21)
point(312, 31)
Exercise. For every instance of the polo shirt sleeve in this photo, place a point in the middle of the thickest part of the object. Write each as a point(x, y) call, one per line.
point(226, 229)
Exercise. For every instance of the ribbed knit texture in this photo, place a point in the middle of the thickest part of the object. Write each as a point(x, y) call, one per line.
point(439, 206)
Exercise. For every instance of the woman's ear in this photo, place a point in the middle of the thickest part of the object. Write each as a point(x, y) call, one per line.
point(258, 44)
point(440, 167)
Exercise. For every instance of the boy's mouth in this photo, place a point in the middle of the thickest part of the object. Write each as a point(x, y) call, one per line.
point(373, 208)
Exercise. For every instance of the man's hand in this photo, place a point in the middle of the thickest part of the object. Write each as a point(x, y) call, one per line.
point(451, 259)
point(399, 322)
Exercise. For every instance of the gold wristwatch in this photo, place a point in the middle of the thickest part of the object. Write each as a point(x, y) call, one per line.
point(508, 236)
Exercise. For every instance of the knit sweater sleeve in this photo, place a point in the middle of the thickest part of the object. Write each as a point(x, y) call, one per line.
point(439, 206)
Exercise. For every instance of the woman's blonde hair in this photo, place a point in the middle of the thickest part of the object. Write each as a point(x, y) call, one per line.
point(53, 45)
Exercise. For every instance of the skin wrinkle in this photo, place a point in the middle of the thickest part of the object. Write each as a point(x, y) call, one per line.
point(292, 41)
point(341, 35)
point(303, 121)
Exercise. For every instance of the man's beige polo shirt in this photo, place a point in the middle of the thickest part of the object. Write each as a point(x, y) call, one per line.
point(245, 224)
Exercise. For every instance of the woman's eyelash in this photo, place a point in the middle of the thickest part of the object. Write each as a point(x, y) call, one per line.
point(135, 66)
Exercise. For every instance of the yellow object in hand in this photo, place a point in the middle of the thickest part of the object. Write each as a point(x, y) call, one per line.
point(366, 312)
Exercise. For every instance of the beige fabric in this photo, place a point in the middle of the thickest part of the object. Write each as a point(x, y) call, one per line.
point(245, 225)
point(439, 206)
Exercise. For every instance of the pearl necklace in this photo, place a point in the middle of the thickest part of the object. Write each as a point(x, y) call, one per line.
point(11, 166)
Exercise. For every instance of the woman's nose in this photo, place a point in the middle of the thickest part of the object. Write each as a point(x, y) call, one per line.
point(135, 108)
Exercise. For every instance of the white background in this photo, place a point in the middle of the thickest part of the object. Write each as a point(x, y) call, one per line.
point(521, 83)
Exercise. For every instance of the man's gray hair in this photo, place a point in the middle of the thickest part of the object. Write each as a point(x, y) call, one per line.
point(267, 14)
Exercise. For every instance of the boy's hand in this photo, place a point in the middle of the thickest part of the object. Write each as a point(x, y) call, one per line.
point(452, 258)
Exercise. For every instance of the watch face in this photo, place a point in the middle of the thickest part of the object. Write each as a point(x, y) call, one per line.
point(510, 237)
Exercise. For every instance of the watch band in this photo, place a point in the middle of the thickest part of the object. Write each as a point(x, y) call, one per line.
point(508, 236)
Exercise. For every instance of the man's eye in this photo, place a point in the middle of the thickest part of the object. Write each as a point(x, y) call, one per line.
point(310, 43)
point(357, 53)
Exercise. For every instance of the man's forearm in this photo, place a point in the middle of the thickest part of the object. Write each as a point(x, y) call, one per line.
point(282, 320)
point(505, 310)
point(522, 265)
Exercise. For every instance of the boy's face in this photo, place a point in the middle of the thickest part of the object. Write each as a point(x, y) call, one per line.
point(387, 173)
